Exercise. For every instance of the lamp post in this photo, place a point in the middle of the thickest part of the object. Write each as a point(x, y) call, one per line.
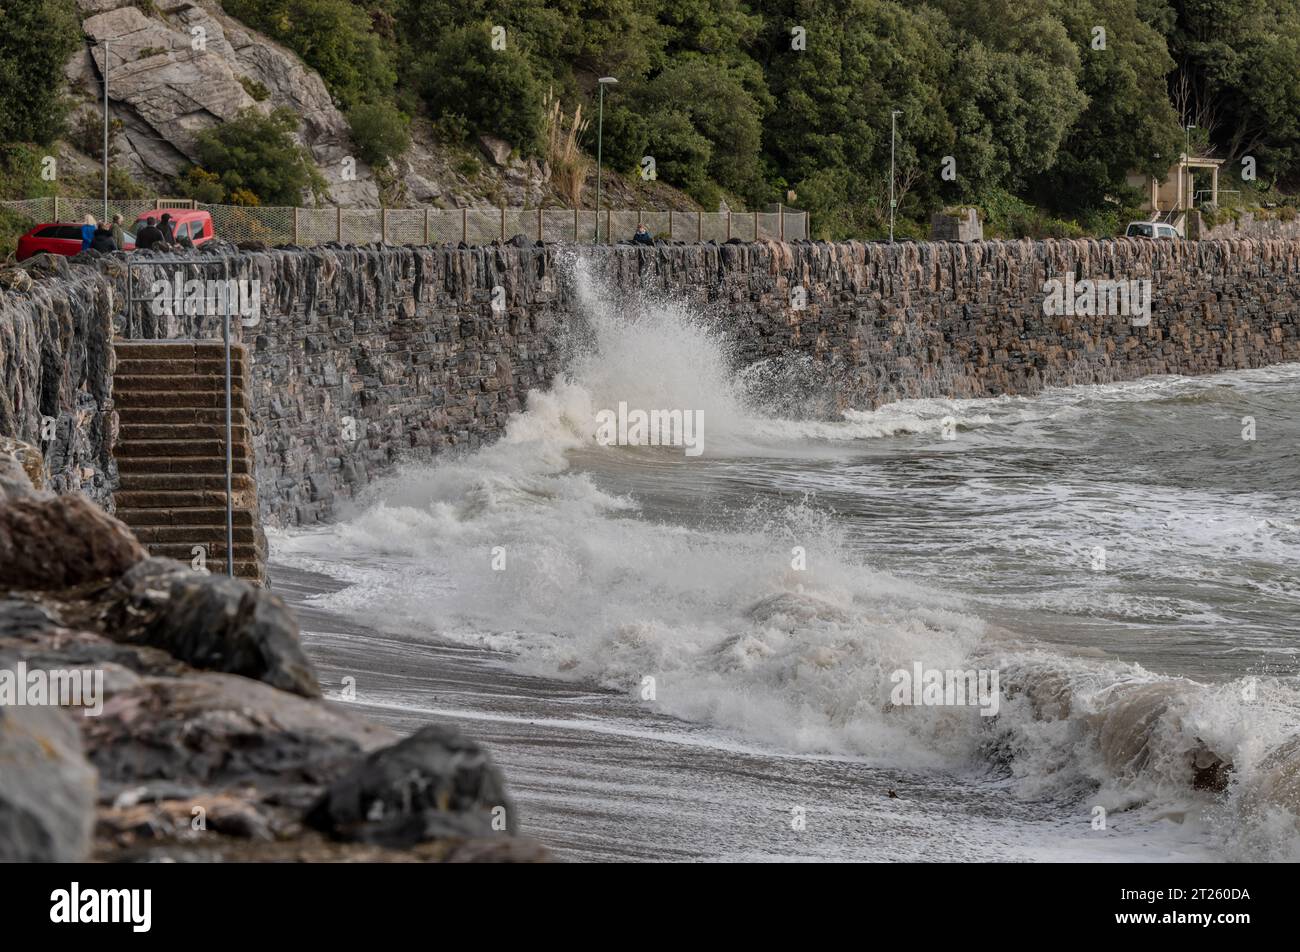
point(600, 137)
point(93, 42)
point(893, 125)
point(1187, 174)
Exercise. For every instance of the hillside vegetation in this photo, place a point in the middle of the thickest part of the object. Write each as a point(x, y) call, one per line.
point(1032, 110)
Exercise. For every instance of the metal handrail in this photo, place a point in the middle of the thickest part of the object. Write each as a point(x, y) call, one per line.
point(130, 300)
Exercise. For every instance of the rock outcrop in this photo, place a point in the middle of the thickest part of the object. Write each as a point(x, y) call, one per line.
point(47, 789)
point(197, 731)
point(178, 71)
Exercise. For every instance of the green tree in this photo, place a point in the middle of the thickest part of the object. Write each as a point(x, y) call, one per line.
point(1129, 124)
point(380, 130)
point(36, 39)
point(334, 37)
point(1239, 74)
point(494, 88)
point(257, 154)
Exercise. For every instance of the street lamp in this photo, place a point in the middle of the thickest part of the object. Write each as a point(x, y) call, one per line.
point(893, 123)
point(1187, 158)
point(92, 41)
point(600, 135)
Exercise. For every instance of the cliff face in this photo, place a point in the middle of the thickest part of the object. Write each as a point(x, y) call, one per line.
point(174, 74)
point(181, 68)
point(362, 355)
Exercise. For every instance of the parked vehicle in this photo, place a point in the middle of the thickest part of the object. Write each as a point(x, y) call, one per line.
point(1151, 229)
point(56, 238)
point(189, 223)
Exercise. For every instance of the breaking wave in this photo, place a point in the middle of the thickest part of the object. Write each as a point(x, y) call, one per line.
point(763, 615)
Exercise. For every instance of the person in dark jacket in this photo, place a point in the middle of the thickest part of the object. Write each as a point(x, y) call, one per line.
point(168, 228)
point(642, 236)
point(149, 235)
point(103, 241)
point(119, 233)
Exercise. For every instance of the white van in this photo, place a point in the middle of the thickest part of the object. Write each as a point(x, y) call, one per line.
point(1151, 229)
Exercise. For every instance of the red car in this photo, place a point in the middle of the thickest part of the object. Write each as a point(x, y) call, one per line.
point(191, 224)
point(57, 239)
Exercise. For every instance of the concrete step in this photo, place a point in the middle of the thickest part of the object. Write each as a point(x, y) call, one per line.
point(173, 349)
point(153, 367)
point(181, 482)
point(142, 413)
point(190, 399)
point(216, 550)
point(131, 431)
point(194, 515)
point(151, 383)
point(195, 535)
point(249, 569)
point(158, 499)
point(126, 449)
point(215, 465)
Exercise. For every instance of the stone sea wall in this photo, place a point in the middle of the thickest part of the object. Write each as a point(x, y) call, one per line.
point(56, 370)
point(363, 356)
point(1249, 226)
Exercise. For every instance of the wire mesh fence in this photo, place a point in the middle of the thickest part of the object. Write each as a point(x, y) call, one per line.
point(282, 225)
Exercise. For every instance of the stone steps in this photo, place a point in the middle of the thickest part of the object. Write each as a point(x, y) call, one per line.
point(171, 453)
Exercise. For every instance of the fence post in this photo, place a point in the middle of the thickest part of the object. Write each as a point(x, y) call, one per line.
point(728, 224)
point(426, 224)
point(671, 236)
point(575, 225)
point(56, 208)
point(295, 224)
point(699, 227)
point(609, 225)
point(383, 225)
point(756, 224)
point(780, 217)
point(503, 224)
point(464, 226)
point(540, 236)
point(157, 203)
point(638, 219)
point(338, 223)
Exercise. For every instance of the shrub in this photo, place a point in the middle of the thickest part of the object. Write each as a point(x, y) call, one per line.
point(256, 89)
point(494, 89)
point(380, 131)
point(203, 186)
point(256, 154)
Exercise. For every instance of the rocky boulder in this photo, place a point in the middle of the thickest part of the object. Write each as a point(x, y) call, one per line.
point(47, 789)
point(60, 541)
point(211, 622)
point(435, 783)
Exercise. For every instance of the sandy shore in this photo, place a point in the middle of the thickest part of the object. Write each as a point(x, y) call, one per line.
point(597, 777)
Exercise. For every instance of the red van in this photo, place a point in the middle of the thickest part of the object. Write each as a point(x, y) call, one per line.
point(191, 224)
point(55, 238)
